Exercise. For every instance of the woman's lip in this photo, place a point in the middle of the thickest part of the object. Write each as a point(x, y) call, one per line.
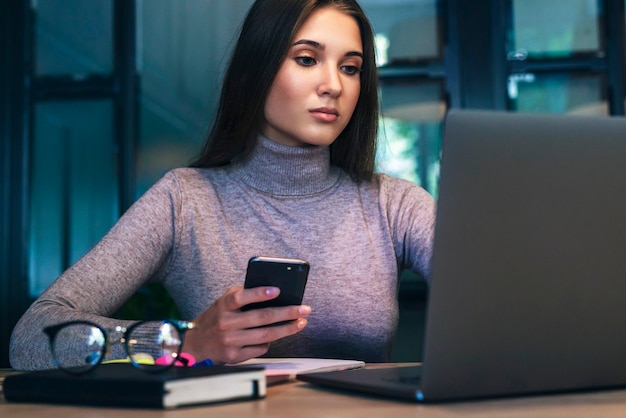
point(325, 114)
point(329, 110)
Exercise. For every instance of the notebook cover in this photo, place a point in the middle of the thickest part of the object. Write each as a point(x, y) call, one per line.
point(122, 385)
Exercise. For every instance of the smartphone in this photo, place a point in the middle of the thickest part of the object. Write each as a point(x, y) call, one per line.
point(288, 274)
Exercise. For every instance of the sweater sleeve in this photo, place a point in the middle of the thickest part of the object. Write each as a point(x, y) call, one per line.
point(411, 213)
point(101, 281)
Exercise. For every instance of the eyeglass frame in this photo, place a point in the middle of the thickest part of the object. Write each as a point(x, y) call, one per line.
point(181, 326)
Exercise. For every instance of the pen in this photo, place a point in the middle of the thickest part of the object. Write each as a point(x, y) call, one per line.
point(204, 363)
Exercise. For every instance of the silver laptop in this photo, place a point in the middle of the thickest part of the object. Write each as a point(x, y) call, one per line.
point(528, 288)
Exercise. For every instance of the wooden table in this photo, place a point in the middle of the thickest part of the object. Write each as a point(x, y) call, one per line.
point(302, 400)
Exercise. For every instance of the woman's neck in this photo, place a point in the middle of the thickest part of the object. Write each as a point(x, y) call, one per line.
point(287, 171)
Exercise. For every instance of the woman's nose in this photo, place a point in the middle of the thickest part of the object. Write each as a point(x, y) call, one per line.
point(330, 82)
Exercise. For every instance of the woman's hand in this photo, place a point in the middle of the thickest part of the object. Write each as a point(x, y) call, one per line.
point(227, 335)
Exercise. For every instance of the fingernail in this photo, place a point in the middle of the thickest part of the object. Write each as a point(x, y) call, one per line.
point(272, 291)
point(302, 323)
point(304, 310)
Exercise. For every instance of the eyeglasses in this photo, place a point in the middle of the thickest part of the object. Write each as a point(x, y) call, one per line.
point(80, 346)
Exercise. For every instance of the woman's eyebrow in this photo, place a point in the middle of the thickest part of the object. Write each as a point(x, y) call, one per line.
point(320, 46)
point(314, 44)
point(354, 54)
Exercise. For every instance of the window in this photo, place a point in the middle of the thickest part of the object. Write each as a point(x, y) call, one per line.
point(183, 47)
point(73, 37)
point(563, 28)
point(74, 182)
point(409, 53)
point(559, 59)
point(73, 185)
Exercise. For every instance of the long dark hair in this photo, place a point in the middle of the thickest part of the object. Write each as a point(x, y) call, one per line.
point(263, 44)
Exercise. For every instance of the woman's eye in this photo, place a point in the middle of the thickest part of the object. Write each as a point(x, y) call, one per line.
point(306, 61)
point(351, 69)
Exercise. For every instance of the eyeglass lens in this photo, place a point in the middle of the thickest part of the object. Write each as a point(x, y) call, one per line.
point(79, 347)
point(160, 344)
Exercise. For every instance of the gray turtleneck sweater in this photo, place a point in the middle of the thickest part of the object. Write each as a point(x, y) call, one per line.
point(195, 230)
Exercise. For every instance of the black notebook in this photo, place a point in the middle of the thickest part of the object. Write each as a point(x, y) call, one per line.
point(122, 385)
point(529, 266)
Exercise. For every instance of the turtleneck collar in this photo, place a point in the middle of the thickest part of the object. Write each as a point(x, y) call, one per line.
point(287, 171)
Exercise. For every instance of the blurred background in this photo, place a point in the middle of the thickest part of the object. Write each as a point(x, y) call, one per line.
point(99, 98)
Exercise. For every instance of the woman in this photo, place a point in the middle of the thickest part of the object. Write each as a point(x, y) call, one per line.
point(287, 171)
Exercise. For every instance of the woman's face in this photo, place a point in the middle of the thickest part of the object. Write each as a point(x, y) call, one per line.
point(317, 86)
